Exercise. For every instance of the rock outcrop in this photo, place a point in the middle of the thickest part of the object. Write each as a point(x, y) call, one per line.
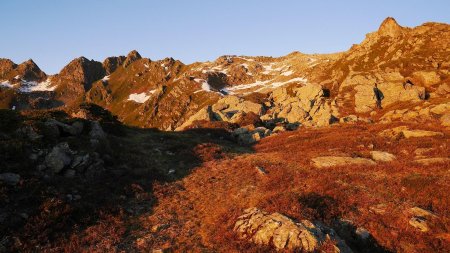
point(281, 232)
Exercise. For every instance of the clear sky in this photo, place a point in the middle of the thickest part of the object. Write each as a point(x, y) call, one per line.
point(53, 32)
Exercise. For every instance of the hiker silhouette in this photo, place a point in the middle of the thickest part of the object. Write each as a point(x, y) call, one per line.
point(378, 95)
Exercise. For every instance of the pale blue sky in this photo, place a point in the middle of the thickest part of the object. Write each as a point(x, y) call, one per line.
point(53, 32)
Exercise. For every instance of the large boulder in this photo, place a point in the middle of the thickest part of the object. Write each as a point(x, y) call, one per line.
point(278, 231)
point(204, 114)
point(284, 234)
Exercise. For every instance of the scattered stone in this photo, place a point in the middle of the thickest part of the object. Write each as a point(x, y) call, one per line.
point(378, 209)
point(330, 161)
point(10, 178)
point(382, 156)
point(417, 211)
point(420, 218)
point(420, 223)
point(429, 161)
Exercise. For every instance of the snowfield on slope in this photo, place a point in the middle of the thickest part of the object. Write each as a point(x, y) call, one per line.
point(140, 97)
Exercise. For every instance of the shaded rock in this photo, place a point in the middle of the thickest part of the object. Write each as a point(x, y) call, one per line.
point(97, 131)
point(29, 133)
point(69, 173)
point(10, 178)
point(330, 161)
point(58, 158)
point(382, 156)
point(75, 129)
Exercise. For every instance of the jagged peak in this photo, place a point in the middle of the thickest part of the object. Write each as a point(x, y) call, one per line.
point(134, 54)
point(390, 27)
point(132, 57)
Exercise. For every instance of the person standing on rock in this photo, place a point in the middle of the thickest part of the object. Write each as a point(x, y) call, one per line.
point(378, 95)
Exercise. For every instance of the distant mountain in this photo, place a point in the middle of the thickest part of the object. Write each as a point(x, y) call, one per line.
point(167, 93)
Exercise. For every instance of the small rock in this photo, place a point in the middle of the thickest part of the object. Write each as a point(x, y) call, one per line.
point(378, 209)
point(10, 178)
point(382, 156)
point(417, 211)
point(330, 161)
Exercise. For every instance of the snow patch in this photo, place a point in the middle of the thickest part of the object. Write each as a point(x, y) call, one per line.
point(105, 78)
point(30, 86)
point(205, 85)
point(248, 86)
point(5, 84)
point(287, 73)
point(140, 97)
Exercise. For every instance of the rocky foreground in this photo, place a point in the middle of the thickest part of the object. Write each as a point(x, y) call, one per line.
point(243, 154)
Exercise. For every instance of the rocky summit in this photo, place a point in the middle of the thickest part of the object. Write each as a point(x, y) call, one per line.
point(342, 152)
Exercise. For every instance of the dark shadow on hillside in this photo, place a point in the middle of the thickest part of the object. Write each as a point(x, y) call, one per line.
point(57, 207)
